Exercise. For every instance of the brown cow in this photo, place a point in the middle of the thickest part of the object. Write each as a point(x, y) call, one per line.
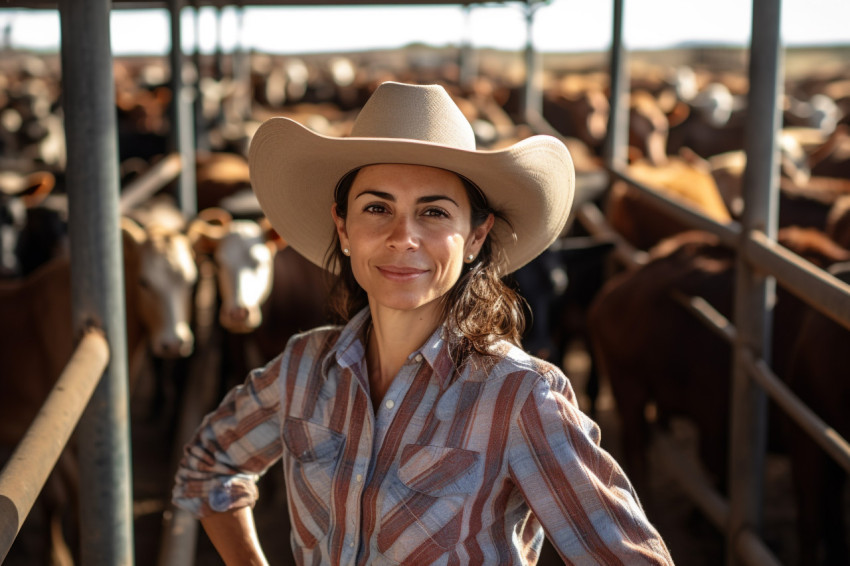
point(816, 373)
point(36, 337)
point(685, 179)
point(653, 351)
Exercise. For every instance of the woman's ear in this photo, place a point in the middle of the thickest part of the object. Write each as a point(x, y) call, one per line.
point(339, 222)
point(479, 235)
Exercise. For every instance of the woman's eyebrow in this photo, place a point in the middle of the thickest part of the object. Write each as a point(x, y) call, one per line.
point(420, 200)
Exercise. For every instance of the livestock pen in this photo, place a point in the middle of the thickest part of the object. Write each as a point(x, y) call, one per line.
point(106, 512)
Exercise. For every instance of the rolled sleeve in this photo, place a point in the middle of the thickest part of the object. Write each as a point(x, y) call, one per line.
point(578, 492)
point(232, 447)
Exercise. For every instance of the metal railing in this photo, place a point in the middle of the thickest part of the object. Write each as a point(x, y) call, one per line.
point(24, 475)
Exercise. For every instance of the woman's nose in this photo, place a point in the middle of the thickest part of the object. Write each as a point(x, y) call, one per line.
point(403, 233)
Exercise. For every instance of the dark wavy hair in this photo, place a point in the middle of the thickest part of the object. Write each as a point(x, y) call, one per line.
point(481, 308)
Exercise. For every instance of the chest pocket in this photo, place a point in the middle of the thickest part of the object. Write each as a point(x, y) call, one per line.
point(433, 486)
point(310, 462)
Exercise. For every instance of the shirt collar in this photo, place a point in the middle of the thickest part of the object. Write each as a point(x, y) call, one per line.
point(350, 349)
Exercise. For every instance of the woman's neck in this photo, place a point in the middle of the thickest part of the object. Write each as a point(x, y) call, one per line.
point(393, 336)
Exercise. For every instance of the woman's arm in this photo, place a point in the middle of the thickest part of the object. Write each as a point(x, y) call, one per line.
point(581, 496)
point(234, 536)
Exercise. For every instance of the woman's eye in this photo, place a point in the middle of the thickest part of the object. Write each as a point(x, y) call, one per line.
point(375, 208)
point(437, 213)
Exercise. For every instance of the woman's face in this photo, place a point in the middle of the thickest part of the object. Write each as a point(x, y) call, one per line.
point(408, 230)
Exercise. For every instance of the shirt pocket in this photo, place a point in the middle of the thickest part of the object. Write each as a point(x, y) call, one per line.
point(426, 502)
point(311, 459)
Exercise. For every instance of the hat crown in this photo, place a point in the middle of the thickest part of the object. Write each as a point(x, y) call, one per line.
point(417, 112)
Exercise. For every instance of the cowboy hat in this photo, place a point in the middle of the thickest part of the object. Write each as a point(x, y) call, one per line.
point(294, 171)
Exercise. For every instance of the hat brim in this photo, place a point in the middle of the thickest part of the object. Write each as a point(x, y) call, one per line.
point(294, 172)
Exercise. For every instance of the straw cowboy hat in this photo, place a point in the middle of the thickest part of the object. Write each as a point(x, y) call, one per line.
point(294, 171)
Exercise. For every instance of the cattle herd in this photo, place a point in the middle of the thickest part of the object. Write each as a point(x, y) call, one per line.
point(686, 139)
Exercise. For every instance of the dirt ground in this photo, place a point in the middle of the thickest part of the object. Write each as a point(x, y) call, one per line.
point(692, 540)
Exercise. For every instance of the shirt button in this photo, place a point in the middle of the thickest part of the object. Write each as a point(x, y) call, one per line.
point(418, 357)
point(389, 404)
point(358, 478)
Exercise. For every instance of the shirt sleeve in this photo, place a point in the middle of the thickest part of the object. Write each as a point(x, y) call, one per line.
point(232, 447)
point(578, 492)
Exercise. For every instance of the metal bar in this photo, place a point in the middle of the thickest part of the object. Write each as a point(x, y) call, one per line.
point(616, 142)
point(691, 478)
point(826, 436)
point(753, 552)
point(755, 291)
point(707, 314)
point(180, 528)
point(150, 182)
point(729, 233)
point(533, 95)
point(594, 222)
point(27, 470)
point(97, 285)
point(821, 290)
point(182, 124)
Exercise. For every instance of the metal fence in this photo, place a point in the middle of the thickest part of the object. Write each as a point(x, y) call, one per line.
point(760, 263)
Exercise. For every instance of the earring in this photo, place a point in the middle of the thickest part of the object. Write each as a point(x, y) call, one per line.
point(346, 251)
point(469, 258)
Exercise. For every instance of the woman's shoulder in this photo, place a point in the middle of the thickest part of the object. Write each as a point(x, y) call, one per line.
point(509, 360)
point(321, 337)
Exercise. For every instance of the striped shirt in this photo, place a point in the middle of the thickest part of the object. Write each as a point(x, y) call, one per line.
point(455, 466)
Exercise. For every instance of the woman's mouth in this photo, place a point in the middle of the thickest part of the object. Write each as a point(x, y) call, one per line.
point(400, 273)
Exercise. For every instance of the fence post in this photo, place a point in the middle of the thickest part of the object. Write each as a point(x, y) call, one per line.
point(182, 116)
point(754, 292)
point(97, 277)
point(616, 142)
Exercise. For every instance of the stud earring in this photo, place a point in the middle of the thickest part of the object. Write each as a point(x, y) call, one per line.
point(346, 251)
point(469, 258)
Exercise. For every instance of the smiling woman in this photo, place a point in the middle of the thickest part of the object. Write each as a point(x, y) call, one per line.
point(417, 430)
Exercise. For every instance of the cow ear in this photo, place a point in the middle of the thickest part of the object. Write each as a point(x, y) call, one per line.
point(133, 231)
point(272, 237)
point(39, 185)
point(207, 229)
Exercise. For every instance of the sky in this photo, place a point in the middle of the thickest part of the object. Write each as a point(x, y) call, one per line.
point(559, 26)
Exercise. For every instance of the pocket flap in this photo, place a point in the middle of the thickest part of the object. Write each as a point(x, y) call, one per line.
point(310, 442)
point(438, 471)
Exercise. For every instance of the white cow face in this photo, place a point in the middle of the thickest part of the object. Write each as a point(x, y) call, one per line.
point(245, 260)
point(167, 279)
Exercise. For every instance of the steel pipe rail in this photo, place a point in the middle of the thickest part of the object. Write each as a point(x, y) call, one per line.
point(826, 293)
point(24, 476)
point(729, 233)
point(151, 181)
point(832, 442)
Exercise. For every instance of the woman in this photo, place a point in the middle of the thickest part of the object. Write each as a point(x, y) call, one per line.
point(419, 431)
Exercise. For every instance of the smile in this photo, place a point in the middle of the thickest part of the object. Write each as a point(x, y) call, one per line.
point(398, 273)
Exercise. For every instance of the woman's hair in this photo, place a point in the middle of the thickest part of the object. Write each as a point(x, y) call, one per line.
point(480, 307)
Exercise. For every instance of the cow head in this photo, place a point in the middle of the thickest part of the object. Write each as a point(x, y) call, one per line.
point(244, 252)
point(161, 294)
point(18, 195)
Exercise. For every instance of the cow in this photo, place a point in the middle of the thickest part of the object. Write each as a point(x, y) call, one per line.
point(685, 178)
point(652, 350)
point(268, 291)
point(30, 231)
point(817, 376)
point(817, 365)
point(37, 338)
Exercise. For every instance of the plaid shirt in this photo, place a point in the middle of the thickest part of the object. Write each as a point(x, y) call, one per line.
point(454, 466)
